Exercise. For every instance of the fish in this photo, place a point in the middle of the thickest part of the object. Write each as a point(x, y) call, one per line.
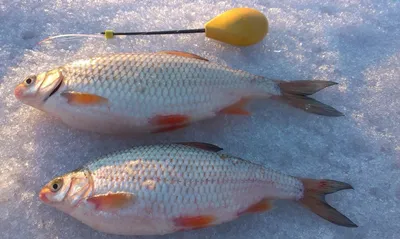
point(155, 92)
point(160, 189)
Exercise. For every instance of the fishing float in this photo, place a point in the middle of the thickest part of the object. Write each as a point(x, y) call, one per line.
point(238, 27)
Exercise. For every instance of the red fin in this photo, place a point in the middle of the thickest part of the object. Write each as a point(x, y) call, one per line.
point(194, 222)
point(112, 201)
point(205, 146)
point(83, 98)
point(314, 199)
point(237, 108)
point(262, 206)
point(184, 54)
point(169, 119)
point(169, 128)
point(169, 122)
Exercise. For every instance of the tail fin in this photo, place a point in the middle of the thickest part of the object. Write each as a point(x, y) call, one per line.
point(295, 94)
point(314, 199)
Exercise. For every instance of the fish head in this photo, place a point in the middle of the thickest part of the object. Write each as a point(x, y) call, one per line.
point(36, 89)
point(65, 192)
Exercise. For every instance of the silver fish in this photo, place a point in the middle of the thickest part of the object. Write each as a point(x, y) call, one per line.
point(161, 189)
point(155, 92)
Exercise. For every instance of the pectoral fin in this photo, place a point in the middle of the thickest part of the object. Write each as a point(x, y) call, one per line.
point(78, 98)
point(112, 201)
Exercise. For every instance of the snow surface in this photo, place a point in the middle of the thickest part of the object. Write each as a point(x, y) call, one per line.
point(355, 43)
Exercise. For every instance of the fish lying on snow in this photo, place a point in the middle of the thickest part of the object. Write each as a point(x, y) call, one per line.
point(155, 92)
point(161, 189)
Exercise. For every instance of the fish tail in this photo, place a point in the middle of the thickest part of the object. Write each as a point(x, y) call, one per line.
point(295, 94)
point(314, 199)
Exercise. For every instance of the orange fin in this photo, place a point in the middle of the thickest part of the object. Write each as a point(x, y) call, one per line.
point(314, 200)
point(184, 54)
point(194, 222)
point(112, 201)
point(83, 98)
point(262, 206)
point(169, 119)
point(201, 145)
point(237, 108)
point(169, 128)
point(169, 122)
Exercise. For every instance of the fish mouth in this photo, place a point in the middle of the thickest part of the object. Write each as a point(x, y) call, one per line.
point(42, 195)
point(53, 91)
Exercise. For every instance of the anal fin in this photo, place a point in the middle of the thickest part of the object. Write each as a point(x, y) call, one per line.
point(237, 108)
point(261, 206)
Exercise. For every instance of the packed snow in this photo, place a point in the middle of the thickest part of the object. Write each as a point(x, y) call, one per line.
point(355, 43)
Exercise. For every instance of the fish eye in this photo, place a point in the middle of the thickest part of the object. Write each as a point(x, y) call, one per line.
point(56, 185)
point(29, 80)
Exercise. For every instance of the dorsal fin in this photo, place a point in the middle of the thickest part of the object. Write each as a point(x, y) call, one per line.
point(201, 145)
point(184, 54)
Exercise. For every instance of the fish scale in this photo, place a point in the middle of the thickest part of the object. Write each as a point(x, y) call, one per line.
point(207, 81)
point(173, 170)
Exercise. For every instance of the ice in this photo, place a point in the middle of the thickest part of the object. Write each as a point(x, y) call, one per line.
point(355, 43)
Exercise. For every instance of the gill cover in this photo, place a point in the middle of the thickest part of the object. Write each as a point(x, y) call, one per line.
point(51, 81)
